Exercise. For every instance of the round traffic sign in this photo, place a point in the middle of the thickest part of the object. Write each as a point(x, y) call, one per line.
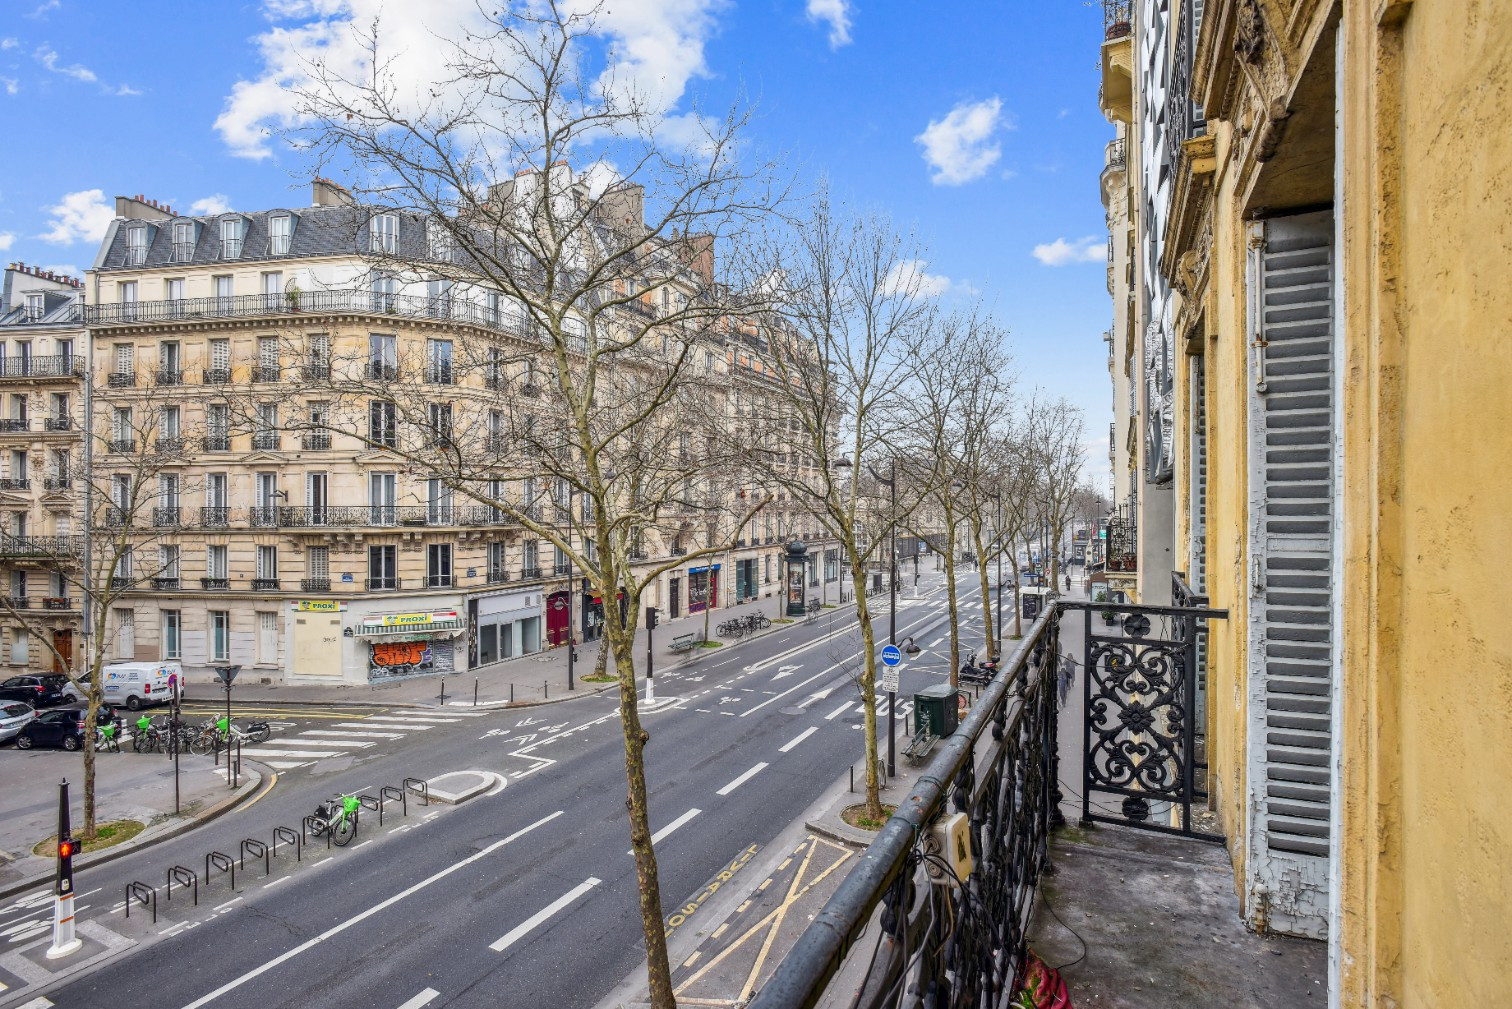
point(891, 655)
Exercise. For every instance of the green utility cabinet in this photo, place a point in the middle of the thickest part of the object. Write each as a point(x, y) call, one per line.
point(937, 708)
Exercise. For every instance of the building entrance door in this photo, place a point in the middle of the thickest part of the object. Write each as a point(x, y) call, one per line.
point(63, 649)
point(556, 618)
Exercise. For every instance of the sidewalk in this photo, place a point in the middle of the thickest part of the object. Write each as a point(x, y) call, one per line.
point(128, 786)
point(528, 679)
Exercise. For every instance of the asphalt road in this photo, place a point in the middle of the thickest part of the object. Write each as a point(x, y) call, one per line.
point(523, 897)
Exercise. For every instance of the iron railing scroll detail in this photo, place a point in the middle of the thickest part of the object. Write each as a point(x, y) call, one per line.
point(949, 942)
point(1138, 765)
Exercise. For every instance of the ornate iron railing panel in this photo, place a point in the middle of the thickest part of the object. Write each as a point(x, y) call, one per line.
point(1138, 743)
point(950, 942)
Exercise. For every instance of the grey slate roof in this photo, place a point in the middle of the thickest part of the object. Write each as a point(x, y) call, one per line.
point(318, 231)
point(60, 308)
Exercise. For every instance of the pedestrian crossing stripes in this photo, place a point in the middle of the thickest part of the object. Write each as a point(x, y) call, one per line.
point(344, 738)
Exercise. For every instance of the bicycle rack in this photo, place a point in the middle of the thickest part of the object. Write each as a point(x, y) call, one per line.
point(419, 787)
point(223, 862)
point(388, 793)
point(183, 877)
point(258, 850)
point(287, 836)
point(319, 825)
point(144, 893)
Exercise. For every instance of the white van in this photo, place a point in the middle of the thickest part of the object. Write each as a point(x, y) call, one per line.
point(136, 685)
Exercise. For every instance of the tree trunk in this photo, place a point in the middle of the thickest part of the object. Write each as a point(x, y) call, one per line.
point(1018, 611)
point(868, 683)
point(981, 552)
point(90, 717)
point(950, 589)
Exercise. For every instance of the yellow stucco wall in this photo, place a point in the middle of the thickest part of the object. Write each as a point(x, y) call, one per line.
point(1427, 210)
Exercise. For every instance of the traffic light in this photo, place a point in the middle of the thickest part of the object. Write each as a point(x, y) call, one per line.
point(67, 848)
point(650, 617)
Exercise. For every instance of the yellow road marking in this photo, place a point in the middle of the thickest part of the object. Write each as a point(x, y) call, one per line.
point(692, 959)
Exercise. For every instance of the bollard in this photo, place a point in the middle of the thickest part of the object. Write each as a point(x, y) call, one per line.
point(511, 693)
point(853, 778)
point(443, 690)
point(475, 691)
point(545, 689)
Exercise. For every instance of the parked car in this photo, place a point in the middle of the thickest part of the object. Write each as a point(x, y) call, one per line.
point(13, 718)
point(72, 692)
point(62, 727)
point(139, 684)
point(38, 691)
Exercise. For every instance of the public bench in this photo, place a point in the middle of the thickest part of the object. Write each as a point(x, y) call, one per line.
point(923, 742)
point(684, 643)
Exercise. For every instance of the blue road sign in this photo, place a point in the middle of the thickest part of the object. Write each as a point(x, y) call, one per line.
point(891, 655)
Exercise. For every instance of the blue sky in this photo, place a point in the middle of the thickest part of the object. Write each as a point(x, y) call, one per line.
point(975, 124)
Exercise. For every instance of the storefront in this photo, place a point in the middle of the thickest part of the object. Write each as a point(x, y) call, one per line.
point(502, 625)
point(593, 614)
point(703, 589)
point(558, 609)
point(403, 645)
point(746, 584)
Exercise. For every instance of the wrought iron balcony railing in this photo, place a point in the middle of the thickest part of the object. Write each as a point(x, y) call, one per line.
point(217, 442)
point(440, 374)
point(215, 583)
point(1114, 157)
point(315, 442)
point(58, 424)
point(215, 517)
point(165, 516)
point(315, 585)
point(165, 582)
point(123, 444)
point(40, 546)
point(1116, 19)
point(530, 572)
point(168, 376)
point(57, 603)
point(351, 302)
point(215, 376)
point(384, 583)
point(266, 373)
point(266, 440)
point(315, 372)
point(264, 584)
point(1000, 768)
point(42, 366)
point(121, 379)
point(15, 602)
point(56, 483)
point(497, 576)
point(438, 581)
point(14, 425)
point(15, 483)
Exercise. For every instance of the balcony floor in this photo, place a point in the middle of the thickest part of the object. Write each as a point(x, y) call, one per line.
point(1159, 922)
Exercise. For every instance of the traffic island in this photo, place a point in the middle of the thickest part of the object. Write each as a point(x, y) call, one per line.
point(130, 788)
point(456, 787)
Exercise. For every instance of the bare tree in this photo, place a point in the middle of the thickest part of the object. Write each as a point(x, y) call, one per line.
point(960, 388)
point(846, 299)
point(577, 409)
point(1056, 454)
point(124, 498)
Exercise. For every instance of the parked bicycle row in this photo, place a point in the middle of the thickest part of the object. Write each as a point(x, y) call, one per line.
point(65, 728)
point(739, 627)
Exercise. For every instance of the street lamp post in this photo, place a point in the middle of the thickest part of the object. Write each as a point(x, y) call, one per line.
point(999, 497)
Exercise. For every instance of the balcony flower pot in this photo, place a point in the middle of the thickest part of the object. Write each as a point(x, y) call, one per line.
point(1108, 615)
point(291, 298)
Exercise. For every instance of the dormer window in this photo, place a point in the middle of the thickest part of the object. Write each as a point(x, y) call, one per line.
point(280, 230)
point(231, 233)
point(136, 246)
point(383, 234)
point(183, 241)
point(36, 305)
point(438, 241)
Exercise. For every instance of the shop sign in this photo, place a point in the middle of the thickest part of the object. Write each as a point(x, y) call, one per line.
point(411, 619)
point(319, 605)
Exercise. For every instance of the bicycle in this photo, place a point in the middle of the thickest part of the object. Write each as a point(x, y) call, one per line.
point(105, 738)
point(338, 817)
point(222, 732)
point(730, 629)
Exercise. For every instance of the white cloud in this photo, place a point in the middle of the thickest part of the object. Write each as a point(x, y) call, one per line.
point(48, 57)
point(44, 7)
point(658, 47)
point(960, 147)
point(10, 84)
point(1081, 250)
point(908, 277)
point(125, 90)
point(210, 205)
point(7, 239)
point(79, 217)
point(9, 43)
point(835, 13)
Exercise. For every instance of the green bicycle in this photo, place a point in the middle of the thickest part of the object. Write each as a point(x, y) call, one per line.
point(338, 817)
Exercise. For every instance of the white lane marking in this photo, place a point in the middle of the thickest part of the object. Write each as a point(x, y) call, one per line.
point(369, 725)
point(838, 712)
point(382, 720)
point(37, 1003)
point(935, 642)
point(280, 879)
point(287, 765)
point(353, 733)
point(657, 837)
point(357, 919)
point(742, 779)
point(798, 738)
point(354, 744)
point(423, 999)
point(426, 713)
point(509, 938)
point(252, 751)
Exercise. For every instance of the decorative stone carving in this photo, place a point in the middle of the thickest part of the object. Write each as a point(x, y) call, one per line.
point(1249, 31)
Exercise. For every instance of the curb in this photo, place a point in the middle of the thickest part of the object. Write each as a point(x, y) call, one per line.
point(266, 779)
point(501, 705)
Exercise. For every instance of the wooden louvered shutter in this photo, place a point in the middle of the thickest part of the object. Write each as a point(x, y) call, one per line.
point(1293, 455)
